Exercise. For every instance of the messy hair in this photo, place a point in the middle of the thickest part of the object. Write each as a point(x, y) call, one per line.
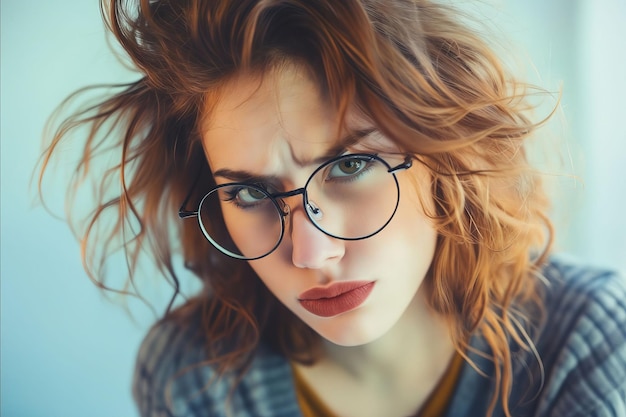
point(425, 79)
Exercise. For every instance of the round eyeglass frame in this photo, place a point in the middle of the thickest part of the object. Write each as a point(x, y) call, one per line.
point(283, 208)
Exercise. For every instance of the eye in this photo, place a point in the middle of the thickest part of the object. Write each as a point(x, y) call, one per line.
point(243, 196)
point(348, 167)
point(247, 195)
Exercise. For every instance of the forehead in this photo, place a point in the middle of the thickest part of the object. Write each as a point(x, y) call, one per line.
point(261, 122)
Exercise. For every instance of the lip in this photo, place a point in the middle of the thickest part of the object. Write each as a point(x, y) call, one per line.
point(337, 298)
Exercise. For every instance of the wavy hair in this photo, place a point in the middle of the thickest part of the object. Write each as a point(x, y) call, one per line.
point(426, 80)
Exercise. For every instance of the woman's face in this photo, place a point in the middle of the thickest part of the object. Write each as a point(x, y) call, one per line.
point(278, 126)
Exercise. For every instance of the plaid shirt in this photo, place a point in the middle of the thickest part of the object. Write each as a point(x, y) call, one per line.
point(582, 345)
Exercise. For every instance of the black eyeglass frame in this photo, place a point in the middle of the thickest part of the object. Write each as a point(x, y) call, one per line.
point(280, 206)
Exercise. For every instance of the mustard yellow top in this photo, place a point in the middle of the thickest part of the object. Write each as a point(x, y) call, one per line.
point(312, 406)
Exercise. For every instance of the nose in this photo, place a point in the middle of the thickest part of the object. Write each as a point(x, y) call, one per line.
point(312, 248)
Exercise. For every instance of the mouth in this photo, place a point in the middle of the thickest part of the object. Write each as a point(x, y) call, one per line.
point(337, 298)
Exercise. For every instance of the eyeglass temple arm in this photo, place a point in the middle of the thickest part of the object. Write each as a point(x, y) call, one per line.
point(185, 214)
point(408, 163)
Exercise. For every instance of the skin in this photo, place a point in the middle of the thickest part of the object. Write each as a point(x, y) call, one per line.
point(278, 125)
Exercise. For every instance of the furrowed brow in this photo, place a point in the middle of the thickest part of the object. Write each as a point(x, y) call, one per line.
point(249, 177)
point(244, 176)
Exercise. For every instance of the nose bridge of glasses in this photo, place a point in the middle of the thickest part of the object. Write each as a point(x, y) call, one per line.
point(282, 197)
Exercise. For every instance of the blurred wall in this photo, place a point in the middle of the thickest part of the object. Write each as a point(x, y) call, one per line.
point(578, 46)
point(68, 352)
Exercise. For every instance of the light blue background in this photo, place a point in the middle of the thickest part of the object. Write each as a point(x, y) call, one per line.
point(68, 352)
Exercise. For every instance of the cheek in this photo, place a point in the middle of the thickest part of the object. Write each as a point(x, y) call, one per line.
point(411, 235)
point(281, 279)
point(412, 249)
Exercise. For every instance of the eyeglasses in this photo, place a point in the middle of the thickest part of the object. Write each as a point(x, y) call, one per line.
point(350, 197)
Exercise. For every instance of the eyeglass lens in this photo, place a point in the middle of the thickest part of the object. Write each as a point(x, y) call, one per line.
point(352, 197)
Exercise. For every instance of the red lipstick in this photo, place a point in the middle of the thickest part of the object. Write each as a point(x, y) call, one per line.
point(337, 298)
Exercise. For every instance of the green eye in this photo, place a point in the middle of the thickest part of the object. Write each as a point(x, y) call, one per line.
point(347, 168)
point(250, 195)
point(351, 166)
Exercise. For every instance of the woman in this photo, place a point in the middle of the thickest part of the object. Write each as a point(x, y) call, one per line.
point(353, 193)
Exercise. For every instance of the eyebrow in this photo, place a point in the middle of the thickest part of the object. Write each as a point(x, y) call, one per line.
point(341, 147)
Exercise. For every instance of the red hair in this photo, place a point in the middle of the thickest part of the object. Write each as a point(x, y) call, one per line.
point(427, 81)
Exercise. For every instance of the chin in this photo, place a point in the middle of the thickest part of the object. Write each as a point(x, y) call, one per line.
point(349, 333)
